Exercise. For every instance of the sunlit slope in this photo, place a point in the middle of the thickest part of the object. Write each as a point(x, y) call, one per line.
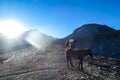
point(29, 38)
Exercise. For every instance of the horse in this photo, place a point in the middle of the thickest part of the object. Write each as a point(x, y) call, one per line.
point(78, 54)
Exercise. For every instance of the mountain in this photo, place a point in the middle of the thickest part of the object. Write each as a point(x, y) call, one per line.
point(103, 39)
point(90, 30)
point(38, 39)
point(29, 38)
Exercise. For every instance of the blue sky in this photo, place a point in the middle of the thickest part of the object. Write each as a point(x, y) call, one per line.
point(59, 18)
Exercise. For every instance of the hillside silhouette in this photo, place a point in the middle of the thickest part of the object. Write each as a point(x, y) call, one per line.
point(103, 39)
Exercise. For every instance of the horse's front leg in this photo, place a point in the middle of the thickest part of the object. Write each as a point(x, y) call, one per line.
point(67, 60)
point(71, 62)
point(80, 63)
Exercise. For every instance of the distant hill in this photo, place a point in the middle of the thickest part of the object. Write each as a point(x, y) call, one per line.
point(27, 39)
point(38, 39)
point(103, 39)
point(90, 30)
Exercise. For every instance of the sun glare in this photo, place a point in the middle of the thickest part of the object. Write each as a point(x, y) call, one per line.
point(11, 29)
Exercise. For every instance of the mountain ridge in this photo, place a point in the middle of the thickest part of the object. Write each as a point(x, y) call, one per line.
point(102, 39)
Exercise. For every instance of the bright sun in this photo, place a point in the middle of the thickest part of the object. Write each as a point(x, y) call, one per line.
point(11, 29)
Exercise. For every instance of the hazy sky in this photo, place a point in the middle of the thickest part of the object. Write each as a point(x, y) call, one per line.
point(59, 18)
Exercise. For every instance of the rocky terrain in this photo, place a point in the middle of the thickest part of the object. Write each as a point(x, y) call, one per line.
point(35, 64)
